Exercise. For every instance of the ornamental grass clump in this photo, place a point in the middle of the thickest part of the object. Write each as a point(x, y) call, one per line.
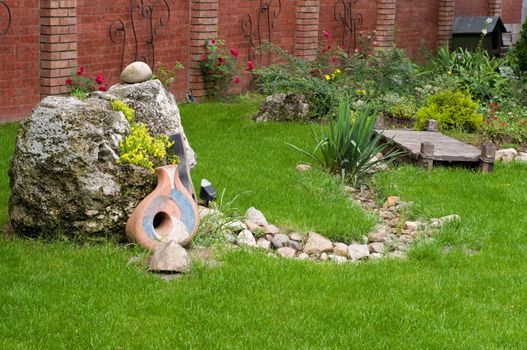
point(349, 146)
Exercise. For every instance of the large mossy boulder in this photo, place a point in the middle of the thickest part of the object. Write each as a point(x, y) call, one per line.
point(65, 173)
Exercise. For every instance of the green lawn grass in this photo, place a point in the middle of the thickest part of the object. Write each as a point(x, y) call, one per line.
point(64, 296)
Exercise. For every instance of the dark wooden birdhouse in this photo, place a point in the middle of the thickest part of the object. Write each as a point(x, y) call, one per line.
point(468, 31)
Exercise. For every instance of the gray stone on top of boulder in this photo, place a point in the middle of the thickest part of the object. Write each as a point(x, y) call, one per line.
point(317, 244)
point(136, 72)
point(169, 257)
point(156, 108)
point(64, 175)
point(283, 107)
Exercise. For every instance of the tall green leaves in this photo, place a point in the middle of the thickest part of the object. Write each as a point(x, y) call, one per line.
point(348, 145)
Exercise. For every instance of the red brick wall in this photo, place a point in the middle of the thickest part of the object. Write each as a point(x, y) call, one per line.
point(366, 8)
point(48, 38)
point(511, 11)
point(19, 57)
point(416, 24)
point(471, 8)
point(99, 54)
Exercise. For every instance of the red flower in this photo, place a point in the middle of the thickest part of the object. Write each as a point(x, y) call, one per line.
point(103, 88)
point(326, 34)
point(203, 57)
point(234, 53)
point(213, 42)
point(69, 82)
point(334, 58)
point(221, 59)
point(80, 70)
point(250, 65)
point(329, 46)
point(99, 79)
point(236, 80)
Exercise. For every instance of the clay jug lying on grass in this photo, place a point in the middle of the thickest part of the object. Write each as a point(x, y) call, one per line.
point(169, 213)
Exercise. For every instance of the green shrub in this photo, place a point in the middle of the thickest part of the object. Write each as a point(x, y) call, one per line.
point(520, 49)
point(347, 146)
point(140, 147)
point(452, 110)
point(399, 107)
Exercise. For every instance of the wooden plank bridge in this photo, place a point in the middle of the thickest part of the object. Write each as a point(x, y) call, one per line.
point(427, 147)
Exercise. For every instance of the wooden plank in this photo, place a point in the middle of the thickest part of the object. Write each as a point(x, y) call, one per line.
point(445, 148)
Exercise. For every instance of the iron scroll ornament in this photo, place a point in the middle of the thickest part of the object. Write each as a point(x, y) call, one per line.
point(143, 10)
point(4, 8)
point(267, 14)
point(343, 14)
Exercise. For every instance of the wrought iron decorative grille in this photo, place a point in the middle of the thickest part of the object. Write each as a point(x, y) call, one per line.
point(344, 15)
point(5, 18)
point(260, 31)
point(144, 45)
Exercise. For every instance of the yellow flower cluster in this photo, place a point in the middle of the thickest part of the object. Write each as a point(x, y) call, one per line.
point(128, 111)
point(361, 91)
point(141, 148)
point(333, 75)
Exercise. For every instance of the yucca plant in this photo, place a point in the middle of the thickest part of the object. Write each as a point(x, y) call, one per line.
point(347, 146)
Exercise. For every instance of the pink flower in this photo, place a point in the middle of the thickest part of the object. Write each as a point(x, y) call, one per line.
point(234, 53)
point(250, 65)
point(80, 70)
point(326, 34)
point(221, 59)
point(69, 82)
point(203, 57)
point(99, 79)
point(236, 80)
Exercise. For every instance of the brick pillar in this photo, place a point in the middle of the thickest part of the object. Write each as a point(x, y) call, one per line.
point(495, 8)
point(445, 22)
point(385, 27)
point(306, 32)
point(203, 25)
point(58, 44)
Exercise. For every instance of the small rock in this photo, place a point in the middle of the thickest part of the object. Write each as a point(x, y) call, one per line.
point(340, 249)
point(376, 247)
point(229, 237)
point(251, 226)
point(294, 244)
point(506, 155)
point(263, 243)
point(413, 225)
point(236, 226)
point(317, 244)
point(303, 167)
point(358, 251)
point(387, 215)
point(350, 189)
point(375, 256)
point(203, 255)
point(269, 237)
point(136, 72)
point(296, 236)
point(303, 256)
point(246, 238)
point(271, 229)
point(286, 252)
point(377, 237)
point(338, 259)
point(134, 260)
point(280, 240)
point(256, 216)
point(169, 257)
point(397, 255)
point(323, 257)
point(450, 218)
point(392, 201)
point(521, 157)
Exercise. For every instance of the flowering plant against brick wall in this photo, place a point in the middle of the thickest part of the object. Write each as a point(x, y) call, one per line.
point(82, 84)
point(221, 66)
